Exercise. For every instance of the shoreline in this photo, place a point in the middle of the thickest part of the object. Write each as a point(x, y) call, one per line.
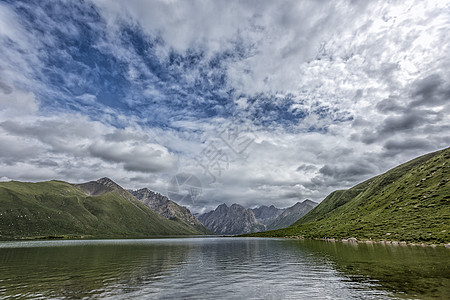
point(369, 242)
point(92, 237)
point(351, 240)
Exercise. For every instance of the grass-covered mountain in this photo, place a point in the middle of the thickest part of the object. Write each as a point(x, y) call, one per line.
point(95, 209)
point(169, 209)
point(409, 203)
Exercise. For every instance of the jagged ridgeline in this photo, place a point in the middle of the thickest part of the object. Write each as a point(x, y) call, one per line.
point(231, 220)
point(169, 209)
point(291, 214)
point(408, 203)
point(237, 220)
point(95, 209)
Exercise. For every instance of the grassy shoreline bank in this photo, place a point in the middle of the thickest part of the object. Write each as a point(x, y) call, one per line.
point(356, 241)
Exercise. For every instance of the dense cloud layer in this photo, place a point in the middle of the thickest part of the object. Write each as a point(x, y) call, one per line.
point(266, 102)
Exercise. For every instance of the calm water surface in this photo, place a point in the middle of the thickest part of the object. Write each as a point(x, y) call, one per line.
point(225, 268)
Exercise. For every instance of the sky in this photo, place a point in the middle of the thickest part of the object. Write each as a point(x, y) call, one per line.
point(210, 102)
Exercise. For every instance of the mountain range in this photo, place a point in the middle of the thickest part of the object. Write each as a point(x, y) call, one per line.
point(94, 209)
point(169, 209)
point(291, 214)
point(237, 220)
point(267, 214)
point(231, 220)
point(409, 203)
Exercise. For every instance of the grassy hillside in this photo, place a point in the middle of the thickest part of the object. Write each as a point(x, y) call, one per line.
point(409, 203)
point(55, 209)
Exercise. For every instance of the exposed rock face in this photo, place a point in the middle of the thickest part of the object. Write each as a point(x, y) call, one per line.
point(102, 186)
point(231, 220)
point(267, 214)
point(157, 202)
point(167, 208)
point(238, 220)
point(292, 214)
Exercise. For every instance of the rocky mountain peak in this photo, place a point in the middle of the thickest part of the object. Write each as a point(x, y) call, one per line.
point(107, 182)
point(167, 208)
point(222, 208)
point(309, 202)
point(236, 206)
point(231, 220)
point(266, 214)
point(291, 214)
point(102, 186)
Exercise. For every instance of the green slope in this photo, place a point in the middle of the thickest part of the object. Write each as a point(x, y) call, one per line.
point(55, 208)
point(409, 203)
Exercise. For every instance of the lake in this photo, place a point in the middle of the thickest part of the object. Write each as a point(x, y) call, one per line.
point(225, 268)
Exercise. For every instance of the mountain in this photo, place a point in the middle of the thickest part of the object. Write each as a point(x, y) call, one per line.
point(103, 186)
point(169, 209)
point(291, 214)
point(95, 209)
point(238, 220)
point(408, 203)
point(266, 214)
point(231, 220)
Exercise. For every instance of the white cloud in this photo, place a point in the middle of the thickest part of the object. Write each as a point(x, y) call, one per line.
point(371, 78)
point(136, 155)
point(16, 102)
point(72, 147)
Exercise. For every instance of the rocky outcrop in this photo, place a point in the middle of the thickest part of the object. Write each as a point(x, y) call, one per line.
point(267, 214)
point(238, 220)
point(231, 220)
point(168, 209)
point(291, 214)
point(102, 186)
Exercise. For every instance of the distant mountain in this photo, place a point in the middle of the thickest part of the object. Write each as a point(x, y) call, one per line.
point(267, 214)
point(94, 209)
point(103, 186)
point(238, 220)
point(291, 214)
point(231, 220)
point(408, 203)
point(169, 209)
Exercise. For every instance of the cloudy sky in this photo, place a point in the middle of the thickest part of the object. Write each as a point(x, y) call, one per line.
point(264, 102)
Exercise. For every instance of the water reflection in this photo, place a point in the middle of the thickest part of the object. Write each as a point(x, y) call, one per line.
point(408, 271)
point(82, 270)
point(235, 268)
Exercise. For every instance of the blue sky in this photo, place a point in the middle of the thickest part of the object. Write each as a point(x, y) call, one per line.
point(320, 95)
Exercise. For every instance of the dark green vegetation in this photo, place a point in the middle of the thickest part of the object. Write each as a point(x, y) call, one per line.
point(409, 272)
point(57, 209)
point(408, 203)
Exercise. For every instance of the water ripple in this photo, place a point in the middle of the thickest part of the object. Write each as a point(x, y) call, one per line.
point(204, 268)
